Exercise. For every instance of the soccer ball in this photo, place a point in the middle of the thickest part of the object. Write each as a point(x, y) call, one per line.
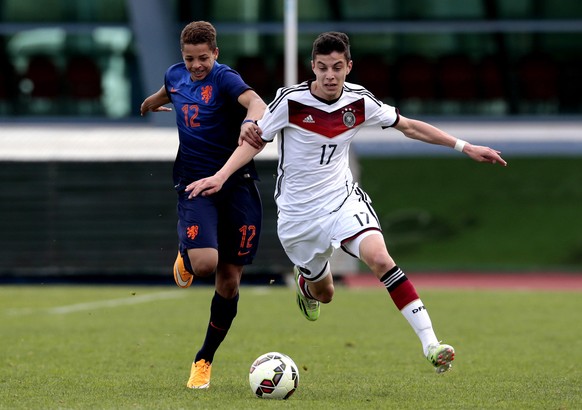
point(273, 376)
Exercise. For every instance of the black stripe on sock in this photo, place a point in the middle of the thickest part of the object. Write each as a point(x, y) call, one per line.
point(393, 278)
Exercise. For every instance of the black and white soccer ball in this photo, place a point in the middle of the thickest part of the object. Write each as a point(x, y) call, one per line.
point(274, 375)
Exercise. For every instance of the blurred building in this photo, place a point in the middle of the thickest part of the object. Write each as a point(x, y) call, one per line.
point(99, 58)
point(85, 182)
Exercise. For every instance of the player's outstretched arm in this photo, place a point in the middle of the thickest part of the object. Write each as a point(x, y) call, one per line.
point(425, 132)
point(155, 102)
point(211, 185)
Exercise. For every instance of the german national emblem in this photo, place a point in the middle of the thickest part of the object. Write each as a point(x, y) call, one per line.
point(349, 118)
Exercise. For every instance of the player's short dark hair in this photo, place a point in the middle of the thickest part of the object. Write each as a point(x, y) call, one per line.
point(327, 43)
point(199, 32)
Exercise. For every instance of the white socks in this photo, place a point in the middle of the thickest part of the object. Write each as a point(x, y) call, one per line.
point(418, 317)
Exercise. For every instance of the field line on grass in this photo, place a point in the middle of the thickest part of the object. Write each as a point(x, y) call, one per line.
point(101, 304)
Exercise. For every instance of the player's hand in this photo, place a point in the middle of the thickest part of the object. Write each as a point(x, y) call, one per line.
point(205, 186)
point(484, 154)
point(144, 110)
point(251, 133)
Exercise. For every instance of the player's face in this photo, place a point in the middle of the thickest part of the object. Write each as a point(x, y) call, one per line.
point(199, 60)
point(330, 74)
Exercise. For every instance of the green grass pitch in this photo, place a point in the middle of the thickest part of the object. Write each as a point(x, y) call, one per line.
point(130, 347)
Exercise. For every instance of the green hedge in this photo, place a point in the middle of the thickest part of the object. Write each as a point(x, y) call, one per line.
point(453, 213)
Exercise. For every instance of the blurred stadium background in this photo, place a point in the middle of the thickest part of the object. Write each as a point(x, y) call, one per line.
point(85, 182)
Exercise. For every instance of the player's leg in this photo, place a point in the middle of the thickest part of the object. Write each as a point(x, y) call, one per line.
point(191, 263)
point(198, 239)
point(223, 310)
point(320, 288)
point(239, 228)
point(308, 246)
point(197, 256)
point(310, 294)
point(373, 252)
point(360, 225)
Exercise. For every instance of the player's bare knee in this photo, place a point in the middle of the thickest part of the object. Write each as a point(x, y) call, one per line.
point(228, 292)
point(204, 262)
point(326, 299)
point(380, 262)
point(229, 288)
point(324, 295)
point(203, 268)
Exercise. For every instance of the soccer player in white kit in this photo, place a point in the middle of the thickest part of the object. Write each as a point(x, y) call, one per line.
point(320, 206)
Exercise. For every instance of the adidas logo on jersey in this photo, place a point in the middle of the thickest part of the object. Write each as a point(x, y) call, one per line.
point(309, 119)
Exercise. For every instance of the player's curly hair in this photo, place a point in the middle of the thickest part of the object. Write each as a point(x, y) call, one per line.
point(199, 32)
point(327, 43)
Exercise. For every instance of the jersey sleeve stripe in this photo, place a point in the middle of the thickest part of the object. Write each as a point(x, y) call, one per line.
point(285, 91)
point(280, 164)
point(364, 92)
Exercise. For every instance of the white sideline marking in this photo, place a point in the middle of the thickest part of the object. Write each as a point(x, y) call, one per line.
point(111, 303)
point(134, 300)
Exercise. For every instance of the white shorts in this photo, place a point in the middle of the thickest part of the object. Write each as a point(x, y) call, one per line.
point(310, 243)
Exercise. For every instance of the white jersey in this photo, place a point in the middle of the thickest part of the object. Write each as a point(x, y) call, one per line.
point(314, 177)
